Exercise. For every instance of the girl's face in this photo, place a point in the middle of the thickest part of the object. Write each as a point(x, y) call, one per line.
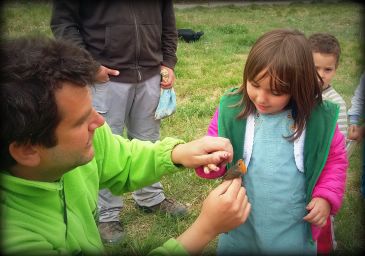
point(265, 100)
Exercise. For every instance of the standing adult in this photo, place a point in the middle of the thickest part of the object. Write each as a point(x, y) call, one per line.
point(132, 41)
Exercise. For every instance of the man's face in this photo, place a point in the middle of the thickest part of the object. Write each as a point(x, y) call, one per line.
point(326, 67)
point(75, 131)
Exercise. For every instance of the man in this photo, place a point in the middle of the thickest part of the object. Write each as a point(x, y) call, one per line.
point(56, 151)
point(132, 41)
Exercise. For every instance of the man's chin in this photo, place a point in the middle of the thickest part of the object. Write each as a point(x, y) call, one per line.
point(88, 157)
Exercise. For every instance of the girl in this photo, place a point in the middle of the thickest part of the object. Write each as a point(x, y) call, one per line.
point(288, 137)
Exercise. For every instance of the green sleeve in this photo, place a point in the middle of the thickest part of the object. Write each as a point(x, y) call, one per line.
point(171, 247)
point(126, 165)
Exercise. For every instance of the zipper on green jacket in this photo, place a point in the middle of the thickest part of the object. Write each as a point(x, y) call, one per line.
point(64, 205)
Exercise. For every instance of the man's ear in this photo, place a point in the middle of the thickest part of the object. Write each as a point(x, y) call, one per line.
point(25, 154)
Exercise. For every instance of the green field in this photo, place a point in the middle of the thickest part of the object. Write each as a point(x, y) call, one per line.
point(204, 71)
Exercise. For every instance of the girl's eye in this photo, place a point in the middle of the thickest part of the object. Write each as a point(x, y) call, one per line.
point(276, 93)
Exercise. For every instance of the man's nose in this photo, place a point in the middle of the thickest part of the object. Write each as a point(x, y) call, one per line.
point(97, 122)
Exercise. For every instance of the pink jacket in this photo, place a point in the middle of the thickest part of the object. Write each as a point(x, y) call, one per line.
point(331, 183)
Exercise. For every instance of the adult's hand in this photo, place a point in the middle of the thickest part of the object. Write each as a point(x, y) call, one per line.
point(171, 78)
point(203, 151)
point(103, 74)
point(225, 208)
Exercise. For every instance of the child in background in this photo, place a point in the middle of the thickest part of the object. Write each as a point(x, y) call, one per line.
point(294, 180)
point(355, 113)
point(326, 55)
point(357, 128)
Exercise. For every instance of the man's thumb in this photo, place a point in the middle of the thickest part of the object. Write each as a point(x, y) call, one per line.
point(223, 187)
point(113, 72)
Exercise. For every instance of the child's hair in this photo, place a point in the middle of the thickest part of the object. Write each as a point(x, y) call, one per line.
point(325, 43)
point(285, 56)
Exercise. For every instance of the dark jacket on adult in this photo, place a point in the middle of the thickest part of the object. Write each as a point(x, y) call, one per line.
point(135, 37)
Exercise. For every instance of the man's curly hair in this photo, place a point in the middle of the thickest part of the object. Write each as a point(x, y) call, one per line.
point(32, 69)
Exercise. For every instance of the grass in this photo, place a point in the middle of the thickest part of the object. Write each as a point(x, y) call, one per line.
point(204, 71)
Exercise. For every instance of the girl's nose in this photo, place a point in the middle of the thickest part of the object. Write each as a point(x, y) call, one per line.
point(261, 97)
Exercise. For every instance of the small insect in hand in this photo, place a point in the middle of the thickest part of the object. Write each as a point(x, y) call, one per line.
point(236, 170)
point(164, 75)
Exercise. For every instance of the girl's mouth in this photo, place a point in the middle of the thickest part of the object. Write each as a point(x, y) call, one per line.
point(261, 107)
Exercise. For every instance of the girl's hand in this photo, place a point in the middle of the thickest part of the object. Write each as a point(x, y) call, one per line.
point(319, 210)
point(210, 167)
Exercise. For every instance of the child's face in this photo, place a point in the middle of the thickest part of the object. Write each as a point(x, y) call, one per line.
point(265, 100)
point(326, 67)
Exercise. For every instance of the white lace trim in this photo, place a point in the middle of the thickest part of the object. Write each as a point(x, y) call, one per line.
point(299, 151)
point(250, 130)
point(248, 145)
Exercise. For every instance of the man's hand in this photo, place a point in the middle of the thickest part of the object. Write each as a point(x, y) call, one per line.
point(171, 78)
point(103, 74)
point(319, 210)
point(225, 208)
point(203, 151)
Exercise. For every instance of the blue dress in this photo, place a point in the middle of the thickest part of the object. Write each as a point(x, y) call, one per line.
point(276, 190)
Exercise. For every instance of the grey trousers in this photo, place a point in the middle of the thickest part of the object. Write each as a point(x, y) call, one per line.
point(132, 106)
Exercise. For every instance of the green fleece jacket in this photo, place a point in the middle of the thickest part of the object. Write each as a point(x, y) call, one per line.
point(58, 218)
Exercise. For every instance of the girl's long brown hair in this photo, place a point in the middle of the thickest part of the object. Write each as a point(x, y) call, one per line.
point(285, 56)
